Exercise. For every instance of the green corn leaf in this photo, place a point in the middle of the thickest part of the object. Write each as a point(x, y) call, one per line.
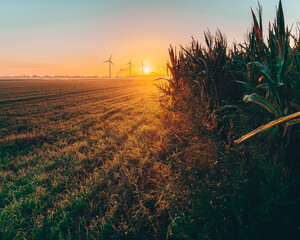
point(280, 21)
point(245, 84)
point(263, 102)
point(239, 61)
point(271, 84)
point(262, 86)
point(257, 31)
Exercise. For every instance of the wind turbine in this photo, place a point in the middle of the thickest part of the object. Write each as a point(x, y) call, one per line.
point(109, 62)
point(130, 64)
point(142, 68)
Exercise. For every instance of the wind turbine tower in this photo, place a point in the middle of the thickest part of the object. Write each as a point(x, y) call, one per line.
point(142, 68)
point(109, 63)
point(130, 65)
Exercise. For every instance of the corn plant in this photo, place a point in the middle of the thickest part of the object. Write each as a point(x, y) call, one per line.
point(271, 69)
point(203, 77)
point(199, 73)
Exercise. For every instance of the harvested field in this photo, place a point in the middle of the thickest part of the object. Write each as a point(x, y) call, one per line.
point(76, 156)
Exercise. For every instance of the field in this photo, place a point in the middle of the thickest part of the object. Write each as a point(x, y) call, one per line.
point(75, 156)
point(210, 152)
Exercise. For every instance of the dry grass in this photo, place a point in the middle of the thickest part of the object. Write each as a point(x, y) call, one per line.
point(79, 159)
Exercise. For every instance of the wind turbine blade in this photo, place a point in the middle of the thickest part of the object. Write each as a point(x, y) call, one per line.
point(110, 57)
point(111, 62)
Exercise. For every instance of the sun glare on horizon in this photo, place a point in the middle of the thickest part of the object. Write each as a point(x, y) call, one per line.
point(147, 70)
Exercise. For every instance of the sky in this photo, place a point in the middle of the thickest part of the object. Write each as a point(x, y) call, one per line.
point(75, 37)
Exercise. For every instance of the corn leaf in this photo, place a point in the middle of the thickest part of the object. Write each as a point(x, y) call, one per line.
point(269, 125)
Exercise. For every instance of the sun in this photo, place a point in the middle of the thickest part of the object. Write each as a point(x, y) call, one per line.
point(147, 70)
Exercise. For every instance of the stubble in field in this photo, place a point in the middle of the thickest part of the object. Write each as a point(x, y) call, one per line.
point(79, 157)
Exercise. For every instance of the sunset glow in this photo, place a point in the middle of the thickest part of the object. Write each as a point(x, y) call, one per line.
point(149, 119)
point(75, 37)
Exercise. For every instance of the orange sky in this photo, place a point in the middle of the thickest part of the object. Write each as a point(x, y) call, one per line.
point(74, 37)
